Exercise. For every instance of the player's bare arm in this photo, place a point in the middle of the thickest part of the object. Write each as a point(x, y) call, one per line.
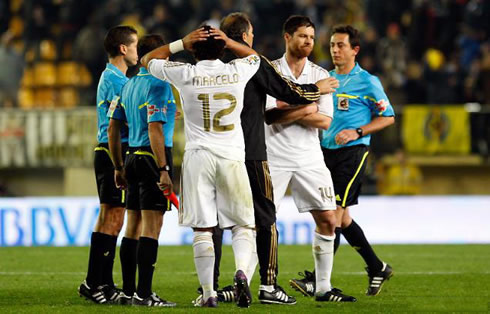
point(114, 135)
point(165, 51)
point(376, 124)
point(316, 120)
point(328, 85)
point(285, 114)
point(157, 143)
point(237, 48)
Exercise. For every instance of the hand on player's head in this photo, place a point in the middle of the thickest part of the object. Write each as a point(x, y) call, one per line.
point(218, 34)
point(197, 35)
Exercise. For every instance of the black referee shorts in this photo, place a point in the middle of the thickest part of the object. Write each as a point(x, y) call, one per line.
point(261, 184)
point(104, 175)
point(347, 166)
point(143, 175)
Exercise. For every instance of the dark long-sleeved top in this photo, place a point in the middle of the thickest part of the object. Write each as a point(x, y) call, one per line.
point(267, 81)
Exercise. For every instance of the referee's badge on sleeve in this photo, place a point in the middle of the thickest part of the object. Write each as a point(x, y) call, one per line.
point(113, 105)
point(342, 103)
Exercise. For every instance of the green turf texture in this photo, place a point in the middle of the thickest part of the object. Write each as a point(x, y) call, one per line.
point(427, 278)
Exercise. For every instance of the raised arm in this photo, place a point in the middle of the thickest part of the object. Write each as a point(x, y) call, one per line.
point(165, 51)
point(240, 50)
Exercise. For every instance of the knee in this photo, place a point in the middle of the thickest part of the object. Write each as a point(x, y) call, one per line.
point(110, 221)
point(326, 222)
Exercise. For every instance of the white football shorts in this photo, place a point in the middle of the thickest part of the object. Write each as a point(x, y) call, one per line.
point(214, 191)
point(311, 189)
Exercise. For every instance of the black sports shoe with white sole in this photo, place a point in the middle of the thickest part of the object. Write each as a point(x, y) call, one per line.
point(94, 295)
point(152, 300)
point(335, 295)
point(306, 285)
point(278, 296)
point(376, 280)
point(227, 294)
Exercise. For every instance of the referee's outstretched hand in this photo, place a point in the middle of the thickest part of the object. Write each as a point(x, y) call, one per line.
point(165, 183)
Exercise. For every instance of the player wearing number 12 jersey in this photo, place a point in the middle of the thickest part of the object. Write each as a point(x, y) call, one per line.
point(215, 185)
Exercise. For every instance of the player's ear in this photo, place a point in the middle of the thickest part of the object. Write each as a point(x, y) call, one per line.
point(123, 49)
point(287, 37)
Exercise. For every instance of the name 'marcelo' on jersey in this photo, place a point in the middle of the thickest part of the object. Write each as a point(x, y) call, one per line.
point(108, 92)
point(145, 99)
point(212, 100)
point(359, 97)
point(294, 146)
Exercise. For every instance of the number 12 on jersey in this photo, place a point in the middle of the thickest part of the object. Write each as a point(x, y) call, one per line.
point(206, 114)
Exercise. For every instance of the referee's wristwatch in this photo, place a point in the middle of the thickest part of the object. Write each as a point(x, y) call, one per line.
point(164, 168)
point(359, 132)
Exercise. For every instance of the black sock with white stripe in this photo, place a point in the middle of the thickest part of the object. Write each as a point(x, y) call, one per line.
point(109, 255)
point(356, 238)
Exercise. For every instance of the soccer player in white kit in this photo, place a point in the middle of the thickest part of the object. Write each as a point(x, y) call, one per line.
point(294, 152)
point(215, 185)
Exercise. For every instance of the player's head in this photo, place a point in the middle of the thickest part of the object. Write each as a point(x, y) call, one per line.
point(299, 34)
point(209, 49)
point(148, 43)
point(122, 41)
point(344, 45)
point(238, 27)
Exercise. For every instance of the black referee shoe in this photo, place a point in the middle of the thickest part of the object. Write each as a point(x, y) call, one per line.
point(94, 295)
point(335, 295)
point(278, 296)
point(376, 280)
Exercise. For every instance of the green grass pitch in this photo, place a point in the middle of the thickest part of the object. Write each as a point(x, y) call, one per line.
point(428, 278)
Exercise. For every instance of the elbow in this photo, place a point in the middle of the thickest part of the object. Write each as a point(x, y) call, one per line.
point(391, 120)
point(145, 60)
point(325, 123)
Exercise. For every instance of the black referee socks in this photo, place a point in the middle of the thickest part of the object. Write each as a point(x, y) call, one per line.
point(356, 238)
point(147, 258)
point(127, 254)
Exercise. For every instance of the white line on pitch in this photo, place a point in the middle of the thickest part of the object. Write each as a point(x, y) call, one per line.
point(36, 273)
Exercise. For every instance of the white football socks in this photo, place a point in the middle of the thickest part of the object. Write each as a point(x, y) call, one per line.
point(204, 260)
point(242, 241)
point(323, 254)
point(254, 260)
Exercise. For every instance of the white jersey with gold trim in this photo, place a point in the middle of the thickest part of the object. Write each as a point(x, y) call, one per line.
point(294, 146)
point(212, 99)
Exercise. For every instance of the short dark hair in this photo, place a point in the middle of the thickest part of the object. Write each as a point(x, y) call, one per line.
point(116, 36)
point(209, 49)
point(354, 35)
point(296, 21)
point(149, 42)
point(235, 24)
